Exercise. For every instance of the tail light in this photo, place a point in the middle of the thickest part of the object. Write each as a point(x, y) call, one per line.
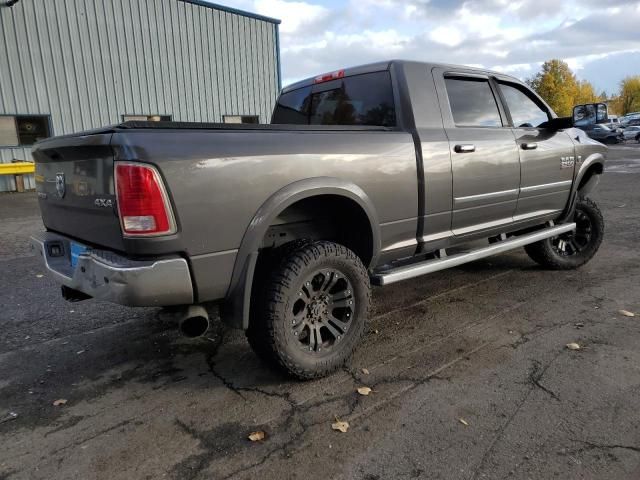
point(327, 77)
point(143, 204)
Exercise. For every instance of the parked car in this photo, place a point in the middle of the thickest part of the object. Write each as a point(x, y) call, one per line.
point(628, 118)
point(613, 123)
point(603, 134)
point(365, 175)
point(632, 133)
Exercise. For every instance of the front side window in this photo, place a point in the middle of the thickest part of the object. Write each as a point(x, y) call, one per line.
point(23, 130)
point(365, 99)
point(525, 112)
point(472, 102)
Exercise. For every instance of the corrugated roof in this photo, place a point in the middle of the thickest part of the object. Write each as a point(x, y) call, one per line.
point(205, 3)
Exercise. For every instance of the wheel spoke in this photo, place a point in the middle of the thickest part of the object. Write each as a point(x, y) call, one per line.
point(344, 302)
point(306, 296)
point(326, 278)
point(342, 294)
point(338, 323)
point(334, 331)
point(312, 338)
point(298, 327)
point(318, 335)
point(333, 279)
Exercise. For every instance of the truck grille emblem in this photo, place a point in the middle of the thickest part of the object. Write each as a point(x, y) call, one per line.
point(60, 185)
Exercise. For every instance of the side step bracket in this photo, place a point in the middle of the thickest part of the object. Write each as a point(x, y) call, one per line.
point(434, 265)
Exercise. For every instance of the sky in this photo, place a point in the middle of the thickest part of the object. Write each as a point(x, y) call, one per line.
point(599, 39)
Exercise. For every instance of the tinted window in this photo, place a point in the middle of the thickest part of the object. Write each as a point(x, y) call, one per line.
point(472, 103)
point(525, 112)
point(293, 107)
point(358, 100)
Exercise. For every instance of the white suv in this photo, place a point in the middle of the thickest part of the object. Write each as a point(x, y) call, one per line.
point(632, 132)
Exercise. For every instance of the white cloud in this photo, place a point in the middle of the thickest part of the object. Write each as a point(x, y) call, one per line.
point(513, 36)
point(445, 35)
point(295, 16)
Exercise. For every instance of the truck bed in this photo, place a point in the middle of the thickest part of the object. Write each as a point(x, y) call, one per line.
point(203, 167)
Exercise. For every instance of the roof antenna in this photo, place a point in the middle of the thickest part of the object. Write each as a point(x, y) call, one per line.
point(11, 3)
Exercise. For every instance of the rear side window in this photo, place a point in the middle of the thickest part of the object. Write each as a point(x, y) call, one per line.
point(365, 99)
point(525, 111)
point(472, 103)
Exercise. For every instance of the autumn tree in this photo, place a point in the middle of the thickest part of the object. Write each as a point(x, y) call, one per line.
point(560, 88)
point(585, 93)
point(629, 98)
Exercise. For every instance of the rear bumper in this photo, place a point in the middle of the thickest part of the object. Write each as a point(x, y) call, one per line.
point(105, 275)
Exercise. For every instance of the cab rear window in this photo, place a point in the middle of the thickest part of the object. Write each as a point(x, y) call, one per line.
point(365, 99)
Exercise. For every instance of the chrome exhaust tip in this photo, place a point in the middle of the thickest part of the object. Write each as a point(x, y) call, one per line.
point(194, 321)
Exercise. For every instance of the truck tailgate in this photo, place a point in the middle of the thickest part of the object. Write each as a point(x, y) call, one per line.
point(75, 186)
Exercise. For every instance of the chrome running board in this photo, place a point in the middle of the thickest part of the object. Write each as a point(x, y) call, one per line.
point(434, 265)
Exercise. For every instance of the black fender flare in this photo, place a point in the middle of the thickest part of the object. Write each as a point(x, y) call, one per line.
point(596, 159)
point(235, 309)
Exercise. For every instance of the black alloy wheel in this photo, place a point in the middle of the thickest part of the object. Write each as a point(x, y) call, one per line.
point(322, 313)
point(572, 249)
point(310, 309)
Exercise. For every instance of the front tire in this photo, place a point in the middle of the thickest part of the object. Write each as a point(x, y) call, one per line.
point(572, 249)
point(311, 310)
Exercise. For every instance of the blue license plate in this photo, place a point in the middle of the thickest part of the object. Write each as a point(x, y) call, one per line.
point(76, 250)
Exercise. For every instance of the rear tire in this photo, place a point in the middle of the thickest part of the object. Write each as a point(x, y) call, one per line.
point(311, 309)
point(573, 249)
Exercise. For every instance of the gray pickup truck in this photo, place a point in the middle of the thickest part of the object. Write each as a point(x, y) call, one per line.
point(368, 175)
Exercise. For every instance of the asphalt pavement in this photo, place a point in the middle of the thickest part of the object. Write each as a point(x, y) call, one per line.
point(469, 371)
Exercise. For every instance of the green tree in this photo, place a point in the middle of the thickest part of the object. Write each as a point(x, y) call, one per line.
point(629, 98)
point(560, 88)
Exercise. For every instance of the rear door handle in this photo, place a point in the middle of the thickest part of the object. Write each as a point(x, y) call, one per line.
point(529, 146)
point(464, 148)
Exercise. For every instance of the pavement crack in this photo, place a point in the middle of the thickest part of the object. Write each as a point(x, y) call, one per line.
point(95, 435)
point(535, 378)
point(511, 417)
point(229, 384)
point(601, 446)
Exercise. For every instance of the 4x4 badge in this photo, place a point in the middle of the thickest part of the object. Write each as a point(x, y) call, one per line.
point(60, 185)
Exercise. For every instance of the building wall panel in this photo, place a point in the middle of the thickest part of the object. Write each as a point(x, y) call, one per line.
point(85, 63)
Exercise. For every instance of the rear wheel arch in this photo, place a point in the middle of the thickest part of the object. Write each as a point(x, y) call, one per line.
point(235, 311)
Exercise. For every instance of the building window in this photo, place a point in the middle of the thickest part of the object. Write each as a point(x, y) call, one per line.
point(146, 118)
point(23, 130)
point(240, 118)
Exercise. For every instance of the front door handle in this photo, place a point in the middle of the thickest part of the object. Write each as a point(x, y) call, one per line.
point(529, 146)
point(464, 148)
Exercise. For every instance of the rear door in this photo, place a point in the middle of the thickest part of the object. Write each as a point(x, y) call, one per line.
point(546, 156)
point(484, 158)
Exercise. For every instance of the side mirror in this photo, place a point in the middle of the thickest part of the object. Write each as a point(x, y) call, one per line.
point(589, 114)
